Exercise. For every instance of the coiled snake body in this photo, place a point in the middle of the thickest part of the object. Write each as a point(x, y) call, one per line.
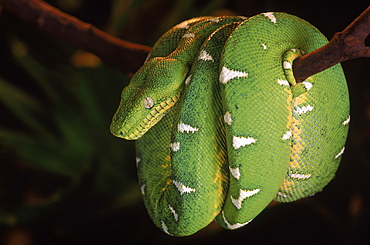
point(230, 129)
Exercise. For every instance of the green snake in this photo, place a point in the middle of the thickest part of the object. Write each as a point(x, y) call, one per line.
point(223, 128)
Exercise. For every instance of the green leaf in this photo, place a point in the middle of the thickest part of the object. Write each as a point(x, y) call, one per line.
point(22, 105)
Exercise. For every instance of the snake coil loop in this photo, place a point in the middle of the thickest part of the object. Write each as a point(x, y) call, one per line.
point(223, 128)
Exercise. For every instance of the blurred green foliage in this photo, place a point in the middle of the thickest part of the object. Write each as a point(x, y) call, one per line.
point(62, 130)
point(64, 179)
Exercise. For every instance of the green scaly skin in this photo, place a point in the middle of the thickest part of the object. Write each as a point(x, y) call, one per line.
point(174, 210)
point(230, 129)
point(296, 136)
point(158, 83)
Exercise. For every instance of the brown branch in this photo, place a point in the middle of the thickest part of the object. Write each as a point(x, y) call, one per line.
point(128, 57)
point(123, 55)
point(345, 45)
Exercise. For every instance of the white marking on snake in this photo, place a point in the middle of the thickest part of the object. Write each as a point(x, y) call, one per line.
point(282, 194)
point(186, 128)
point(182, 188)
point(205, 56)
point(242, 141)
point(307, 85)
point(314, 193)
point(175, 146)
point(188, 79)
point(227, 74)
point(340, 153)
point(165, 228)
point(175, 215)
point(137, 161)
point(186, 24)
point(234, 226)
point(300, 176)
point(227, 118)
point(271, 16)
point(346, 122)
point(287, 135)
point(243, 195)
point(214, 20)
point(264, 46)
point(303, 110)
point(189, 35)
point(142, 188)
point(235, 172)
point(287, 65)
point(147, 58)
point(183, 25)
point(283, 82)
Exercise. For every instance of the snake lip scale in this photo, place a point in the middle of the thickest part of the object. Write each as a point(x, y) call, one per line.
point(221, 126)
point(156, 112)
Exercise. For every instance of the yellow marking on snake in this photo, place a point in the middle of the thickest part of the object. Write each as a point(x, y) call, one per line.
point(286, 186)
point(220, 177)
point(289, 107)
point(300, 99)
point(297, 144)
point(295, 155)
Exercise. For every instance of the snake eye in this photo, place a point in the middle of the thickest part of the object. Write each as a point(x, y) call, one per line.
point(148, 102)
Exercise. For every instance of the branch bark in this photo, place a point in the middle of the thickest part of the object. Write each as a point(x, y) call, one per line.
point(125, 56)
point(345, 45)
point(128, 57)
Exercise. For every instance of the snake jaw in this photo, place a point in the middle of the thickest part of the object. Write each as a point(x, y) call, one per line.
point(155, 114)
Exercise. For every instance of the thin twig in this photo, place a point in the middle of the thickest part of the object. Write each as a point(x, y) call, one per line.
point(345, 45)
point(125, 56)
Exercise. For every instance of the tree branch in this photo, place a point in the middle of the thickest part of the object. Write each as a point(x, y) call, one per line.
point(128, 57)
point(125, 56)
point(345, 45)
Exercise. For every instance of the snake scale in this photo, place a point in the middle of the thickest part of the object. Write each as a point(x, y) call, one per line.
point(223, 128)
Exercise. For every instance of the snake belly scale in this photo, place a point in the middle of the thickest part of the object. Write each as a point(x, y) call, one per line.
point(223, 128)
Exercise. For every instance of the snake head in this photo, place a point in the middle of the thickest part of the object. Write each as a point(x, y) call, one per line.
point(152, 91)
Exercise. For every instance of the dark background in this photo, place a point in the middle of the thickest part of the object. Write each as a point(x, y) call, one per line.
point(65, 180)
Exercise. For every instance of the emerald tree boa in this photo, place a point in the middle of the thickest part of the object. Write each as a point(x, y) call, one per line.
point(222, 127)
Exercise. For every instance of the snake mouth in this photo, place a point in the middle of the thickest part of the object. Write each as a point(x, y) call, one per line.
point(155, 115)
